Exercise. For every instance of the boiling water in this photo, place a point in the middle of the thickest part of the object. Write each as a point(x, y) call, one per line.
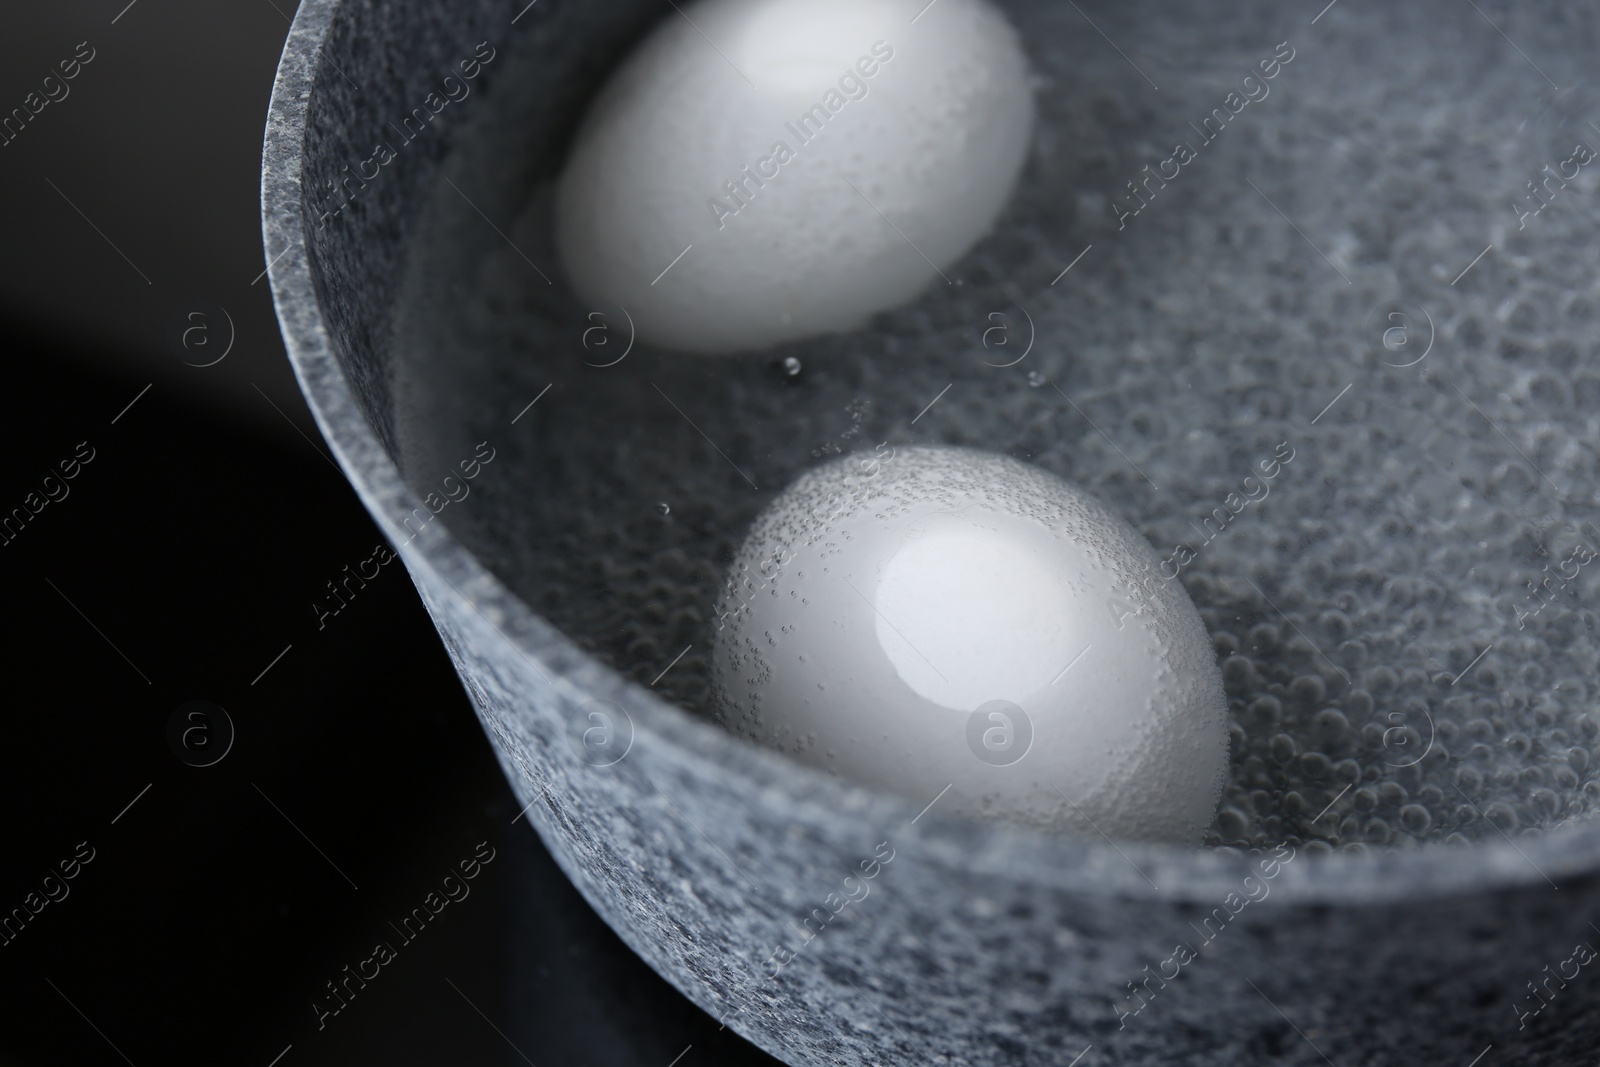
point(1404, 611)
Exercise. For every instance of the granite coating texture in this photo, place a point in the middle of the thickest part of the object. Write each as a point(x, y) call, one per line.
point(720, 863)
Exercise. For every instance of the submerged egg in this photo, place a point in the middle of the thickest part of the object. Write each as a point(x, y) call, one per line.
point(759, 171)
point(944, 622)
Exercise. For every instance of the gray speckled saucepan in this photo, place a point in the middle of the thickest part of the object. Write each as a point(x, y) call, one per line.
point(831, 924)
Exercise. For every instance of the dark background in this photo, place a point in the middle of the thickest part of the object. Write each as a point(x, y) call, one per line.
point(183, 560)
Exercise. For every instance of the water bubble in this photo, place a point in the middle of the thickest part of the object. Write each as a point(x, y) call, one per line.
point(1233, 824)
point(791, 367)
point(1316, 766)
point(664, 507)
point(1503, 816)
point(1035, 379)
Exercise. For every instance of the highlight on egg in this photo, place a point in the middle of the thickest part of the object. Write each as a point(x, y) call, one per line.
point(760, 171)
point(945, 622)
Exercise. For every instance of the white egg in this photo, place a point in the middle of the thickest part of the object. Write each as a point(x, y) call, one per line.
point(925, 617)
point(759, 171)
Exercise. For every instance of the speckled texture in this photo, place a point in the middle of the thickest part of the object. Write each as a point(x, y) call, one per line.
point(980, 944)
point(834, 647)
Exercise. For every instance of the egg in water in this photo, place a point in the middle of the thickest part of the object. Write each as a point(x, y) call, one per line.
point(761, 171)
point(945, 622)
